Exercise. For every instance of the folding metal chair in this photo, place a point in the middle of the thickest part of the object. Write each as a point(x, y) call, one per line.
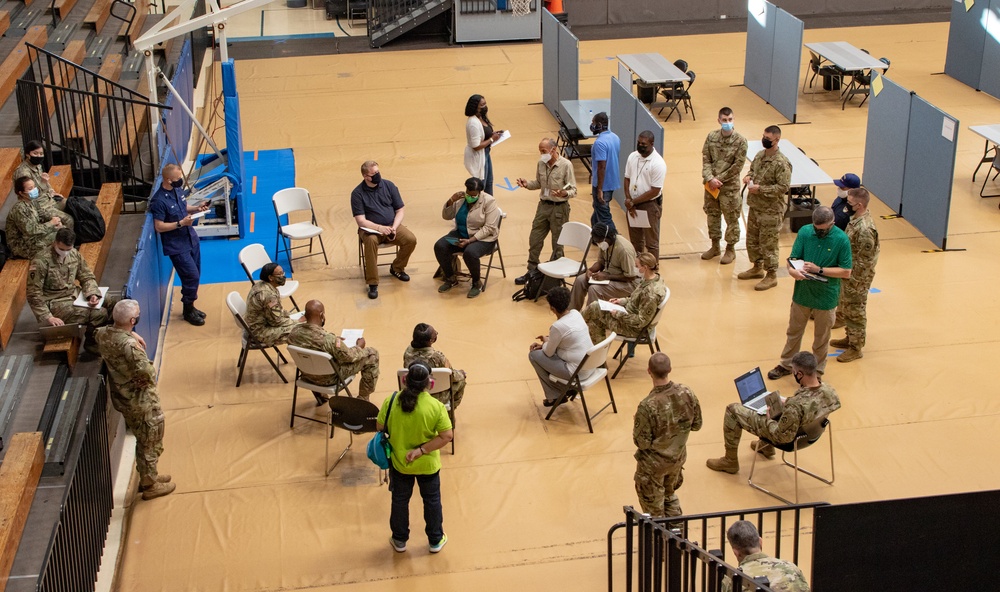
point(357, 416)
point(287, 201)
point(576, 235)
point(647, 336)
point(238, 307)
point(809, 436)
point(253, 257)
point(316, 363)
point(594, 365)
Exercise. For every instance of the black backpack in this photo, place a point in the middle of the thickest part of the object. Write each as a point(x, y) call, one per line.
point(538, 285)
point(89, 223)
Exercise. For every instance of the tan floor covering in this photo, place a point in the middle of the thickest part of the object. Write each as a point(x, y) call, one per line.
point(528, 502)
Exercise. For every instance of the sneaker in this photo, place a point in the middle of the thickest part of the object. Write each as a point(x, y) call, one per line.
point(440, 544)
point(373, 291)
point(397, 546)
point(448, 284)
point(399, 275)
point(521, 280)
point(474, 291)
point(779, 371)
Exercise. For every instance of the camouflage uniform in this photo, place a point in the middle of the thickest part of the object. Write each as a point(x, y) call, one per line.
point(640, 308)
point(801, 409)
point(45, 204)
point(437, 359)
point(783, 575)
point(767, 207)
point(52, 289)
point(852, 311)
point(28, 232)
point(350, 360)
point(133, 394)
point(722, 158)
point(662, 424)
point(269, 324)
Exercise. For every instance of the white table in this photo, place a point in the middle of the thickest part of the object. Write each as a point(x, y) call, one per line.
point(848, 58)
point(581, 113)
point(652, 68)
point(991, 133)
point(805, 172)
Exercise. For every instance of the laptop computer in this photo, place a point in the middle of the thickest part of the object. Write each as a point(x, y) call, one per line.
point(752, 391)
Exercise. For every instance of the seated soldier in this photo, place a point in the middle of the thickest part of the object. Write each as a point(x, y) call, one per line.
point(28, 232)
point(269, 323)
point(350, 360)
point(49, 203)
point(421, 349)
point(615, 265)
point(640, 307)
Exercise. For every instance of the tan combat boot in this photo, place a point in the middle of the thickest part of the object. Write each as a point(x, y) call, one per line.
point(161, 478)
point(769, 281)
point(755, 272)
point(727, 464)
point(840, 343)
point(729, 256)
point(765, 450)
point(158, 490)
point(850, 354)
point(712, 253)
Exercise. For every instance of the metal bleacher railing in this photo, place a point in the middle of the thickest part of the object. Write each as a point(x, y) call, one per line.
point(688, 553)
point(388, 19)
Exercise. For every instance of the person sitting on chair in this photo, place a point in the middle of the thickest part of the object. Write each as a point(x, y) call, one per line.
point(477, 226)
point(563, 349)
point(640, 307)
point(28, 231)
point(49, 203)
point(782, 576)
point(350, 360)
point(269, 324)
point(421, 349)
point(810, 404)
point(615, 265)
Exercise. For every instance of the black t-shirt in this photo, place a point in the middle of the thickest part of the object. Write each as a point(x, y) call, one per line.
point(841, 214)
point(377, 204)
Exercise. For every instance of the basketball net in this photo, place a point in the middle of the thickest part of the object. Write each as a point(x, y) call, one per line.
point(520, 7)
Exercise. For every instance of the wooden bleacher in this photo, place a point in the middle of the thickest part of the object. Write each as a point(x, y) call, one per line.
point(97, 15)
point(62, 7)
point(10, 159)
point(128, 138)
point(75, 51)
point(109, 201)
point(17, 62)
point(110, 69)
point(4, 21)
point(141, 12)
point(19, 475)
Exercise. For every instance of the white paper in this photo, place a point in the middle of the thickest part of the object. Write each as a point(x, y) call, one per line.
point(504, 135)
point(798, 264)
point(948, 129)
point(594, 282)
point(351, 336)
point(296, 315)
point(369, 230)
point(605, 305)
point(641, 219)
point(81, 301)
point(197, 215)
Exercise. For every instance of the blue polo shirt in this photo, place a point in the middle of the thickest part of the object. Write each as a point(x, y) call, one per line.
point(606, 148)
point(168, 205)
point(378, 204)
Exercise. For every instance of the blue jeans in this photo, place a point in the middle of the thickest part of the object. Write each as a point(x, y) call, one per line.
point(602, 211)
point(488, 172)
point(401, 486)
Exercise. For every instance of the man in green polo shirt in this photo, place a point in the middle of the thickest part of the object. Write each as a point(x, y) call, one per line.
point(824, 253)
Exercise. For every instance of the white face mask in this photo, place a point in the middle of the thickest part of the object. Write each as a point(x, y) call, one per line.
point(841, 192)
point(545, 158)
point(603, 245)
point(62, 254)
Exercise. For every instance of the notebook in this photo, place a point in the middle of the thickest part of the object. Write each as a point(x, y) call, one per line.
point(752, 391)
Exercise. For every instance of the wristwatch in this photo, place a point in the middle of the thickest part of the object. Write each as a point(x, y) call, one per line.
point(820, 271)
point(179, 225)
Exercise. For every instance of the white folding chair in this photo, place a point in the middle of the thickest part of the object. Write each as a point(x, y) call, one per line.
point(238, 307)
point(593, 366)
point(316, 363)
point(442, 383)
point(647, 336)
point(287, 201)
point(576, 235)
point(253, 257)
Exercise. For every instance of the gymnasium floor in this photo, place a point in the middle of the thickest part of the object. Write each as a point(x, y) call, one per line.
point(528, 502)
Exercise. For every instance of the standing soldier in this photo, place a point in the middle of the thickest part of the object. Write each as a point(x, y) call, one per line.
point(662, 424)
point(722, 160)
point(133, 394)
point(852, 311)
point(768, 182)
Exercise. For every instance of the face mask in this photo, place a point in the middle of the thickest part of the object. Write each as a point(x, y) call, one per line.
point(798, 378)
point(376, 178)
point(728, 126)
point(821, 232)
point(643, 150)
point(841, 193)
point(766, 143)
point(484, 111)
point(545, 158)
point(471, 199)
point(596, 128)
point(36, 160)
point(278, 280)
point(177, 184)
point(33, 193)
point(62, 254)
point(135, 321)
point(603, 245)
point(851, 209)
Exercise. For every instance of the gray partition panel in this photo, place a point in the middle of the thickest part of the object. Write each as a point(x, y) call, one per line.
point(885, 143)
point(930, 169)
point(569, 68)
point(989, 79)
point(644, 120)
point(760, 46)
point(966, 38)
point(622, 123)
point(786, 63)
point(550, 62)
point(624, 75)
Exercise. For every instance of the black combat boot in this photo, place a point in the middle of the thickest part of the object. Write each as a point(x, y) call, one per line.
point(192, 316)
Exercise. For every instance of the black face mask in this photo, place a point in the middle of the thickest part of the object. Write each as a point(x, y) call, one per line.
point(177, 184)
point(850, 208)
point(798, 378)
point(376, 178)
point(643, 150)
point(821, 232)
point(766, 143)
point(484, 111)
point(36, 160)
point(596, 128)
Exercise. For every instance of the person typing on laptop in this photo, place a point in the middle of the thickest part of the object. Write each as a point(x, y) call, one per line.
point(812, 402)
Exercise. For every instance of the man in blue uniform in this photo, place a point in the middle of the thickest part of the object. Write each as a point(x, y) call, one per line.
point(172, 220)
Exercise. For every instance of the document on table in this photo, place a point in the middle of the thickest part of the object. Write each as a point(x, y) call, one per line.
point(640, 220)
point(610, 307)
point(351, 336)
point(800, 265)
point(504, 135)
point(81, 300)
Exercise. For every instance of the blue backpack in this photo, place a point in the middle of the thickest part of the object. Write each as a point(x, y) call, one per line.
point(379, 450)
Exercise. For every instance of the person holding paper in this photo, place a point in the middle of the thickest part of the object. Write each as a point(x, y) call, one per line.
point(613, 275)
point(52, 287)
point(555, 177)
point(477, 227)
point(172, 220)
point(640, 306)
point(645, 173)
point(722, 159)
point(768, 182)
point(350, 360)
point(605, 178)
point(269, 323)
point(562, 350)
point(28, 231)
point(421, 350)
point(825, 252)
point(479, 138)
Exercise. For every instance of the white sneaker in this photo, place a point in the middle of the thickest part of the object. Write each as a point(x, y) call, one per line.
point(440, 544)
point(397, 546)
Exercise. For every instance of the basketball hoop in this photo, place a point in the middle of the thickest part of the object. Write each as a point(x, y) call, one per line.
point(520, 7)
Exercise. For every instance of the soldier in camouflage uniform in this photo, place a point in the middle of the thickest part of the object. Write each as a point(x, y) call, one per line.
point(269, 323)
point(133, 394)
point(852, 310)
point(52, 286)
point(28, 232)
point(722, 159)
point(768, 182)
point(46, 205)
point(349, 360)
point(663, 421)
point(640, 307)
point(812, 402)
point(421, 349)
point(782, 576)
